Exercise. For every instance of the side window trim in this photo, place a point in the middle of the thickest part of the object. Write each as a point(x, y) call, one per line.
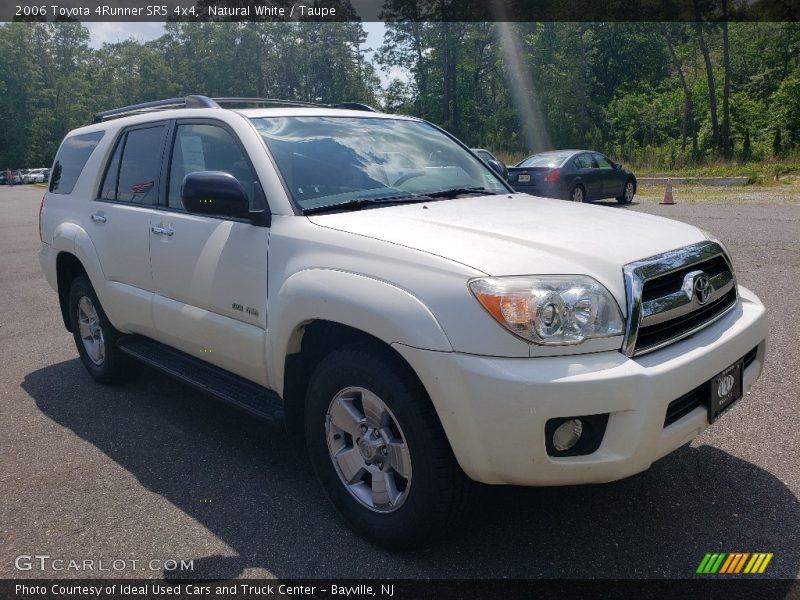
point(166, 165)
point(123, 142)
point(119, 142)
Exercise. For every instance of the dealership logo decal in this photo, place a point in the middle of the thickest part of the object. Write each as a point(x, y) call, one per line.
point(45, 562)
point(725, 385)
point(734, 563)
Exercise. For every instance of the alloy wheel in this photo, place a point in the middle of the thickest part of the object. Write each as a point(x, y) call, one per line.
point(368, 449)
point(91, 331)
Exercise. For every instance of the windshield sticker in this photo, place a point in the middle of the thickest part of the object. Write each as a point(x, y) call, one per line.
point(193, 157)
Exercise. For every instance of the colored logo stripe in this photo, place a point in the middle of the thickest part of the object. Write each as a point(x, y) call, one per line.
point(732, 558)
point(710, 563)
point(734, 563)
point(758, 563)
point(740, 564)
point(703, 563)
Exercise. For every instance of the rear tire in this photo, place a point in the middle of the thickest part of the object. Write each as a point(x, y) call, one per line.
point(95, 337)
point(627, 192)
point(578, 194)
point(379, 451)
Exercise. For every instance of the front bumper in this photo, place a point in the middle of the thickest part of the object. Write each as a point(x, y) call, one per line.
point(494, 410)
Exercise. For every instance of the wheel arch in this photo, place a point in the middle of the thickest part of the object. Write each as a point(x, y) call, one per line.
point(577, 182)
point(68, 267)
point(76, 255)
point(314, 340)
point(375, 307)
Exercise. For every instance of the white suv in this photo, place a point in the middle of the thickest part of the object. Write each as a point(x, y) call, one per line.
point(369, 280)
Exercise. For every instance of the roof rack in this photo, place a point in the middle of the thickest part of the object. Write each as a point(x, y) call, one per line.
point(264, 102)
point(301, 103)
point(353, 106)
point(144, 107)
point(206, 102)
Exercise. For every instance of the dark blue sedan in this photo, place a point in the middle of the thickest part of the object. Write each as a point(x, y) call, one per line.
point(577, 175)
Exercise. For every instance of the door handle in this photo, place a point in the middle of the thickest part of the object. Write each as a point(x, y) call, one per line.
point(158, 230)
point(98, 218)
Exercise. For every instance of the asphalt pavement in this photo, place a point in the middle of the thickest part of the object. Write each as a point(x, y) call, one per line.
point(154, 471)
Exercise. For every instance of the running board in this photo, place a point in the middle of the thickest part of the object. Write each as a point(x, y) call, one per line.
point(217, 382)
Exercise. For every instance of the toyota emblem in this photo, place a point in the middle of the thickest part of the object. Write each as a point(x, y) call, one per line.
point(702, 288)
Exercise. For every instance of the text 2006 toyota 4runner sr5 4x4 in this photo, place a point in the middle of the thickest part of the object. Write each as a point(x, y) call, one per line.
point(369, 280)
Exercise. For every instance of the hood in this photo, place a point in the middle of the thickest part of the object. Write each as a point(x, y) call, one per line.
point(519, 234)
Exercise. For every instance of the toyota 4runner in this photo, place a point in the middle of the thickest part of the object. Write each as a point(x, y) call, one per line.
point(370, 281)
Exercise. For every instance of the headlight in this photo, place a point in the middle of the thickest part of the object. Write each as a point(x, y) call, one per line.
point(550, 309)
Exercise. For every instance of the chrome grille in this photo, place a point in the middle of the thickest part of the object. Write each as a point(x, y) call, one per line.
point(673, 295)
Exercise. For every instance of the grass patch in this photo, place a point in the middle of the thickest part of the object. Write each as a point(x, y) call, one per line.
point(784, 192)
point(755, 172)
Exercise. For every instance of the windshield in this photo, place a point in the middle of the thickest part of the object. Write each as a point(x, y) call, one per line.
point(330, 161)
point(552, 160)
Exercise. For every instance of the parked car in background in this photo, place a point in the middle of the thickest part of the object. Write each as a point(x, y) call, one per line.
point(577, 175)
point(494, 162)
point(35, 175)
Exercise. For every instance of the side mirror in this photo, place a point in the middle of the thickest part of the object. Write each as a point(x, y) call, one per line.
point(214, 193)
point(617, 166)
point(497, 166)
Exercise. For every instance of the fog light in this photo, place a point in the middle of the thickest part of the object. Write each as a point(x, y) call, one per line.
point(567, 434)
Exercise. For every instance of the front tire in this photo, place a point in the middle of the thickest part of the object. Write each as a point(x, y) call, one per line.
point(96, 338)
point(627, 193)
point(379, 451)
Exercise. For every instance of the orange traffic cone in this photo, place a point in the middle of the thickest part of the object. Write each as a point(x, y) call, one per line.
point(668, 194)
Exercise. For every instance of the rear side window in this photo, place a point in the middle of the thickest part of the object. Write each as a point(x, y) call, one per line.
point(71, 159)
point(134, 169)
point(603, 162)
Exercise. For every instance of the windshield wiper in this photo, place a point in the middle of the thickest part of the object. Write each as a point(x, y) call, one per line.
point(364, 202)
point(359, 203)
point(453, 192)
